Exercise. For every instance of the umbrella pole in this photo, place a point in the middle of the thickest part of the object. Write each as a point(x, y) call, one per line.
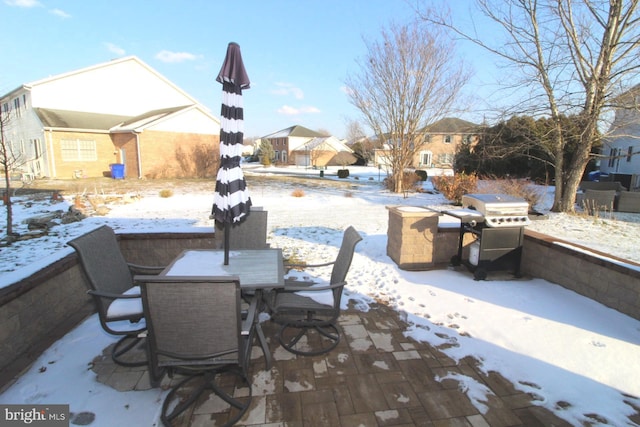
point(227, 227)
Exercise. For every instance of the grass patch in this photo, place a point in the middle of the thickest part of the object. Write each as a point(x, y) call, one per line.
point(298, 192)
point(165, 193)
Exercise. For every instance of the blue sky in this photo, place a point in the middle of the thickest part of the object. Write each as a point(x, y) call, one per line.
point(297, 52)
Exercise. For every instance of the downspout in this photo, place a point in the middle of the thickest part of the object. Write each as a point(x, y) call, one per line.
point(139, 159)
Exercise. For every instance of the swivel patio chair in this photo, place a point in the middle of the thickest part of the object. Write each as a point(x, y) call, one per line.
point(195, 328)
point(250, 233)
point(311, 310)
point(110, 283)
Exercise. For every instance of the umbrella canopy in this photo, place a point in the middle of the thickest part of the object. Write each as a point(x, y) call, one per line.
point(231, 200)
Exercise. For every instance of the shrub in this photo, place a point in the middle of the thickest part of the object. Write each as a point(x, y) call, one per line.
point(166, 193)
point(343, 173)
point(298, 193)
point(454, 187)
point(522, 188)
point(409, 180)
point(422, 174)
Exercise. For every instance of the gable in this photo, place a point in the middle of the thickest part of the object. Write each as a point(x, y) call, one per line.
point(125, 87)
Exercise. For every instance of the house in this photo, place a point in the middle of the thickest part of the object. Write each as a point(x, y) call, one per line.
point(323, 151)
point(621, 146)
point(120, 112)
point(290, 139)
point(438, 144)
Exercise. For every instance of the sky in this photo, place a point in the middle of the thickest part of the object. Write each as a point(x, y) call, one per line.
point(545, 339)
point(298, 54)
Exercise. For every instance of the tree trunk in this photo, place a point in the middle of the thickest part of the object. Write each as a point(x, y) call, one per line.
point(7, 199)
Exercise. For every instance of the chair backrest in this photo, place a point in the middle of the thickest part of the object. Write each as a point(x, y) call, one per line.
point(103, 263)
point(350, 239)
point(250, 233)
point(192, 320)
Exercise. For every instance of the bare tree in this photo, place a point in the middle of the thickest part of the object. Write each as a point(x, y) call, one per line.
point(9, 161)
point(570, 58)
point(408, 80)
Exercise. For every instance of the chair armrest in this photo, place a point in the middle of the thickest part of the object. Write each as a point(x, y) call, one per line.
point(145, 269)
point(309, 265)
point(311, 288)
point(111, 295)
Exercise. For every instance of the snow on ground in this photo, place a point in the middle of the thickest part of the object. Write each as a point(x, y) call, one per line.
point(547, 340)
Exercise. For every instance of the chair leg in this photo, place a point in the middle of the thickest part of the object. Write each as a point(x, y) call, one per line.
point(122, 348)
point(325, 333)
point(175, 404)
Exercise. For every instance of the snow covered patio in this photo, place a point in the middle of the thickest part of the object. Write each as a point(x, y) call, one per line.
point(377, 376)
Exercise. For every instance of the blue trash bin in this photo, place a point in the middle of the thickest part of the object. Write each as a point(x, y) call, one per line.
point(117, 170)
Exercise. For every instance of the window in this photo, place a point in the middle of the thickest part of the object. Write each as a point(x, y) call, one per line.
point(629, 154)
point(466, 140)
point(78, 150)
point(612, 157)
point(447, 139)
point(445, 159)
point(16, 106)
point(425, 158)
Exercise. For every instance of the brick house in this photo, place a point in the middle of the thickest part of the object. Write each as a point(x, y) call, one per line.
point(122, 112)
point(439, 144)
point(323, 151)
point(290, 139)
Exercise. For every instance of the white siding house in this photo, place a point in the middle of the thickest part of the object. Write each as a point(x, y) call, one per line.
point(621, 147)
point(95, 108)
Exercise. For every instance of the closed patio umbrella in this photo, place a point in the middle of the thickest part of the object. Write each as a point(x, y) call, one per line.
point(231, 200)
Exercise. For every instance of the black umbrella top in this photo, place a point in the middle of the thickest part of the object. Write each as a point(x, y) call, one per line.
point(232, 70)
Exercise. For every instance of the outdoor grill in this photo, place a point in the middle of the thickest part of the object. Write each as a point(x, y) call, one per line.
point(497, 222)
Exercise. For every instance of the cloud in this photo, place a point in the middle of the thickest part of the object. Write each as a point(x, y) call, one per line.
point(288, 110)
point(60, 13)
point(23, 3)
point(288, 89)
point(168, 56)
point(115, 49)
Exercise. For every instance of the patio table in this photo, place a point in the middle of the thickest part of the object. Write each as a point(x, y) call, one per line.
point(258, 269)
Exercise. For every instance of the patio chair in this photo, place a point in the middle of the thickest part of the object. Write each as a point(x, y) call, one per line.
point(311, 310)
point(110, 283)
point(250, 233)
point(195, 328)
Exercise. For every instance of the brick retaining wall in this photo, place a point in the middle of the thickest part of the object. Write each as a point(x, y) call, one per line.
point(611, 281)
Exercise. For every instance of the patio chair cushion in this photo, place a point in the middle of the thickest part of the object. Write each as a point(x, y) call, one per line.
point(126, 306)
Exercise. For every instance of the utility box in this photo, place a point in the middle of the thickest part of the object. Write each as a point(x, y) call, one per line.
point(411, 237)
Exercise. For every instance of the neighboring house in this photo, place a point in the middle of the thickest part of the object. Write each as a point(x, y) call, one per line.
point(438, 144)
point(290, 139)
point(323, 151)
point(79, 123)
point(621, 146)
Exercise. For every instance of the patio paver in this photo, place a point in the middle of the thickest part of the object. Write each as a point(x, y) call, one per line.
point(374, 377)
